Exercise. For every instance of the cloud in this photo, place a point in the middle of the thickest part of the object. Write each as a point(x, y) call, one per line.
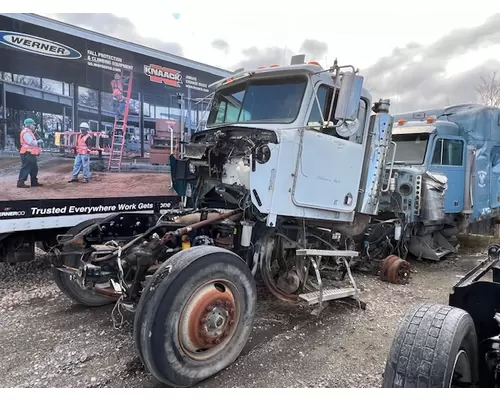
point(255, 57)
point(315, 49)
point(118, 27)
point(220, 44)
point(415, 76)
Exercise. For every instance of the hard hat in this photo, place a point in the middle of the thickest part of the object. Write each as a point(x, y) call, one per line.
point(84, 125)
point(29, 121)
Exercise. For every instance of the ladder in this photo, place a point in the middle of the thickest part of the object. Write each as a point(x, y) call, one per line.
point(120, 130)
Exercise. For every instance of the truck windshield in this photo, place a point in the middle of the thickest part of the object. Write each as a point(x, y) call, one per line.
point(410, 148)
point(259, 101)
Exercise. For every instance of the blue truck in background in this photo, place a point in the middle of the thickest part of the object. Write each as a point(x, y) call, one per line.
point(444, 175)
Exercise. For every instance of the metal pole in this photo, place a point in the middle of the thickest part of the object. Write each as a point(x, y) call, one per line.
point(141, 122)
point(181, 145)
point(171, 140)
point(189, 112)
point(74, 105)
point(4, 115)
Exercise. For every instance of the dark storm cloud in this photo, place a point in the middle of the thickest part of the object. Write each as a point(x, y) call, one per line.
point(414, 76)
point(255, 57)
point(220, 44)
point(314, 49)
point(118, 27)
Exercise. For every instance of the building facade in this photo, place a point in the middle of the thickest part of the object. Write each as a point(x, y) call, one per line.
point(61, 75)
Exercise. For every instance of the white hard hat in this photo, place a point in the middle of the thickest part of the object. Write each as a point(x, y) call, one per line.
point(84, 125)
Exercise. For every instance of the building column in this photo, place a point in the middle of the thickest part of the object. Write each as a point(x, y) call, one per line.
point(141, 122)
point(189, 106)
point(4, 116)
point(99, 110)
point(74, 122)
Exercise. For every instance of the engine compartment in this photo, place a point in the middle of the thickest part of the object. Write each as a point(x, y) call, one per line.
point(217, 165)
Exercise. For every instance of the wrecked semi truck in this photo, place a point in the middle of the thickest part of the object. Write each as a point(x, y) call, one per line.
point(283, 180)
point(446, 174)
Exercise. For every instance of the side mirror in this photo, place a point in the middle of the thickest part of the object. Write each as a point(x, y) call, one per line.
point(349, 97)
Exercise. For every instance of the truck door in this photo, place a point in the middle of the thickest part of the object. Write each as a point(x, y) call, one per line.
point(329, 167)
point(494, 177)
point(448, 158)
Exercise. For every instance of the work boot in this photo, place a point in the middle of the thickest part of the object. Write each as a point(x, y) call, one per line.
point(35, 184)
point(85, 181)
point(73, 180)
point(21, 184)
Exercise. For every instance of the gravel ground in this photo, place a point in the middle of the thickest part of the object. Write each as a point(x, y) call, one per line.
point(46, 341)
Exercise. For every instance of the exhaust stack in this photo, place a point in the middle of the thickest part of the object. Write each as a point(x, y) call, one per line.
point(375, 157)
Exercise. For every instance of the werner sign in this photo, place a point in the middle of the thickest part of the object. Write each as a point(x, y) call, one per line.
point(159, 74)
point(38, 45)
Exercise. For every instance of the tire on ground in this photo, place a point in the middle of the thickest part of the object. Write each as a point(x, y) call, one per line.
point(71, 288)
point(141, 310)
point(160, 331)
point(426, 345)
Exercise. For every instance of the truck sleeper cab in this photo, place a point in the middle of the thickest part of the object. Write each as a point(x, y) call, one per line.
point(444, 174)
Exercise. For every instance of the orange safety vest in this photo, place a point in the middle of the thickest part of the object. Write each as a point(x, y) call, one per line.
point(35, 150)
point(81, 146)
point(117, 86)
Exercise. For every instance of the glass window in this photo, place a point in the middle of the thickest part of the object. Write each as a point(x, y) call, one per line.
point(324, 97)
point(52, 86)
point(88, 97)
point(67, 89)
point(162, 112)
point(107, 102)
point(259, 100)
point(147, 109)
point(27, 80)
point(448, 152)
point(315, 117)
point(410, 148)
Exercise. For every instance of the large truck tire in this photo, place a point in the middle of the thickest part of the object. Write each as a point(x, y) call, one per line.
point(70, 287)
point(198, 317)
point(435, 347)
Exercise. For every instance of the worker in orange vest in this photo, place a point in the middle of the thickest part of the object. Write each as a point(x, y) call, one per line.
point(118, 98)
point(29, 151)
point(82, 159)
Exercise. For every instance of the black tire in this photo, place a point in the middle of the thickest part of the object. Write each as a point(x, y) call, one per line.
point(164, 353)
point(70, 287)
point(428, 343)
point(147, 293)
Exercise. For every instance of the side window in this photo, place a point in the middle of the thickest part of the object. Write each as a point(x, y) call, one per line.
point(221, 113)
point(448, 152)
point(324, 96)
point(315, 115)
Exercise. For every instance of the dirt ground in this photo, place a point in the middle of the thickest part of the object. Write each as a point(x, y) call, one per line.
point(54, 174)
point(46, 341)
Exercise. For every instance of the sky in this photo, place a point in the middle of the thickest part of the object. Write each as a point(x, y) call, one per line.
point(420, 55)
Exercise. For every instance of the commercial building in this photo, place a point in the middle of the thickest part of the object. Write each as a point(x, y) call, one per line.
point(60, 75)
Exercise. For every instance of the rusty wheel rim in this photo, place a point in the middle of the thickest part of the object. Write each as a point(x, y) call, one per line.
point(208, 320)
point(386, 264)
point(399, 272)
